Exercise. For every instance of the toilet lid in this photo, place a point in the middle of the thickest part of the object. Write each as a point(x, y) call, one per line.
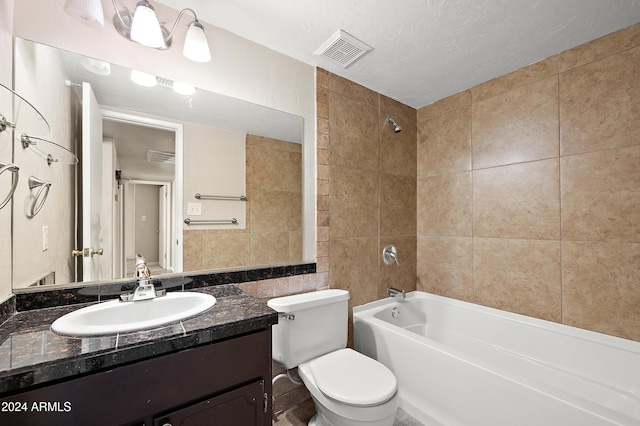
point(352, 378)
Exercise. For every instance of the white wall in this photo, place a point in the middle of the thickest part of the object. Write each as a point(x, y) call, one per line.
point(146, 221)
point(214, 165)
point(45, 90)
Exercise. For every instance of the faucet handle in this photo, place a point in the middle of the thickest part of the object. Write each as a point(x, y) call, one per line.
point(390, 255)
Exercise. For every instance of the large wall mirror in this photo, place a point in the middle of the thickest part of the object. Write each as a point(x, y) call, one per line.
point(190, 179)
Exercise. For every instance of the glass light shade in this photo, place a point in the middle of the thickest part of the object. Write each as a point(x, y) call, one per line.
point(89, 12)
point(96, 66)
point(143, 79)
point(196, 46)
point(183, 88)
point(145, 28)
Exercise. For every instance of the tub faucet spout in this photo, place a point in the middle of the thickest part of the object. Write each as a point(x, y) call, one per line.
point(394, 292)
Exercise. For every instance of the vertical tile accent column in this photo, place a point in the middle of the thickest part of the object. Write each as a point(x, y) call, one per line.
point(366, 189)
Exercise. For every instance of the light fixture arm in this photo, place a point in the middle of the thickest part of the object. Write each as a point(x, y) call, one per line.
point(115, 7)
point(175, 25)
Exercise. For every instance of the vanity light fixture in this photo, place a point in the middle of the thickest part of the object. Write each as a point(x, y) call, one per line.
point(143, 27)
point(89, 12)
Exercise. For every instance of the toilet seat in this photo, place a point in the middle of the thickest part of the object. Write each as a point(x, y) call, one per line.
point(352, 378)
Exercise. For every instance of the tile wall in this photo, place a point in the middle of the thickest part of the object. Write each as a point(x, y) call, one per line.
point(528, 189)
point(366, 189)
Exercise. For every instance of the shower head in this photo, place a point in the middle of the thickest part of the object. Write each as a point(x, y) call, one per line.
point(396, 126)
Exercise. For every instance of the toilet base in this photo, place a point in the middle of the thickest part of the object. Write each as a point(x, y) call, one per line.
point(324, 417)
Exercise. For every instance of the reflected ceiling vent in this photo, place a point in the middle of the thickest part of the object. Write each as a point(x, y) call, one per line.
point(165, 82)
point(343, 48)
point(161, 157)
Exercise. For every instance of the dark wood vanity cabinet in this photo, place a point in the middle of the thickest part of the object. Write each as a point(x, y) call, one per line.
point(224, 383)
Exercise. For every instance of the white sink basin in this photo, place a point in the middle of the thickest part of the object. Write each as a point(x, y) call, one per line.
point(120, 317)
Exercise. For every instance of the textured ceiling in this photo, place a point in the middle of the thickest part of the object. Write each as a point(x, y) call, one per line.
point(423, 50)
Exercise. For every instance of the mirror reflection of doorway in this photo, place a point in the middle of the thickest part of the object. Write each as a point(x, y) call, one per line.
point(145, 219)
point(144, 207)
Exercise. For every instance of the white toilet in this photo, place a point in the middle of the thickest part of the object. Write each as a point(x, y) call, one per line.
point(347, 387)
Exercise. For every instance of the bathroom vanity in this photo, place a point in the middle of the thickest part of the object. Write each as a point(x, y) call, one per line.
point(211, 369)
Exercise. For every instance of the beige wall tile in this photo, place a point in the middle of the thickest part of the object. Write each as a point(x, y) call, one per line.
point(538, 71)
point(397, 205)
point(516, 126)
point(444, 144)
point(444, 205)
point(600, 196)
point(225, 250)
point(269, 248)
point(600, 48)
point(521, 276)
point(600, 287)
point(459, 100)
point(322, 78)
point(322, 203)
point(353, 202)
point(192, 250)
point(322, 108)
point(517, 201)
point(396, 109)
point(353, 90)
point(600, 104)
point(354, 133)
point(403, 274)
point(353, 266)
point(295, 212)
point(445, 266)
point(397, 150)
point(270, 211)
point(322, 126)
point(269, 168)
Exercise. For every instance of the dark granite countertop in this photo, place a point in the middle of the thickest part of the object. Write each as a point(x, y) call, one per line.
point(32, 355)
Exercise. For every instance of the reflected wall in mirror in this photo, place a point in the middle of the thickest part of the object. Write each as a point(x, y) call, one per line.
point(158, 150)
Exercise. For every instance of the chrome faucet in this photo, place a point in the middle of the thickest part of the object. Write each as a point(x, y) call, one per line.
point(394, 292)
point(144, 286)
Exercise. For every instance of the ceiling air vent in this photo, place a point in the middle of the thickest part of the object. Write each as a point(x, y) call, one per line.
point(160, 157)
point(343, 48)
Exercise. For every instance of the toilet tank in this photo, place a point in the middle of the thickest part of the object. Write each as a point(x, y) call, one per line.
point(309, 325)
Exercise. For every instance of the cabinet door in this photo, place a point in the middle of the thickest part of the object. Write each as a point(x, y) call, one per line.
point(241, 406)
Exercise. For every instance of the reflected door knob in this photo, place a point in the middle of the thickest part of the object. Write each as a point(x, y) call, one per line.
point(97, 251)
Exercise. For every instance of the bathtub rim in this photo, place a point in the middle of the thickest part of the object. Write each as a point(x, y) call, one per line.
point(539, 323)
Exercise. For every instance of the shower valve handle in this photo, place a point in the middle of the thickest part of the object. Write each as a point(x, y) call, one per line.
point(390, 255)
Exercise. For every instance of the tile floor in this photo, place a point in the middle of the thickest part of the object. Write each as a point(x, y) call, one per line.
point(300, 415)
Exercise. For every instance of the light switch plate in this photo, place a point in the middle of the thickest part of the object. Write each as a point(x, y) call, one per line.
point(194, 209)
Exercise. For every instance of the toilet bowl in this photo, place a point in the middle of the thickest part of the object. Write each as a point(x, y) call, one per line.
point(347, 387)
point(350, 389)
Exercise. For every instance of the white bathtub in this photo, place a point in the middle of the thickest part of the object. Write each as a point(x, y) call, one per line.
point(463, 364)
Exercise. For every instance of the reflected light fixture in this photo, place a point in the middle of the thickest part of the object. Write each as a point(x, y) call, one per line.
point(89, 12)
point(183, 88)
point(143, 27)
point(143, 79)
point(96, 66)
